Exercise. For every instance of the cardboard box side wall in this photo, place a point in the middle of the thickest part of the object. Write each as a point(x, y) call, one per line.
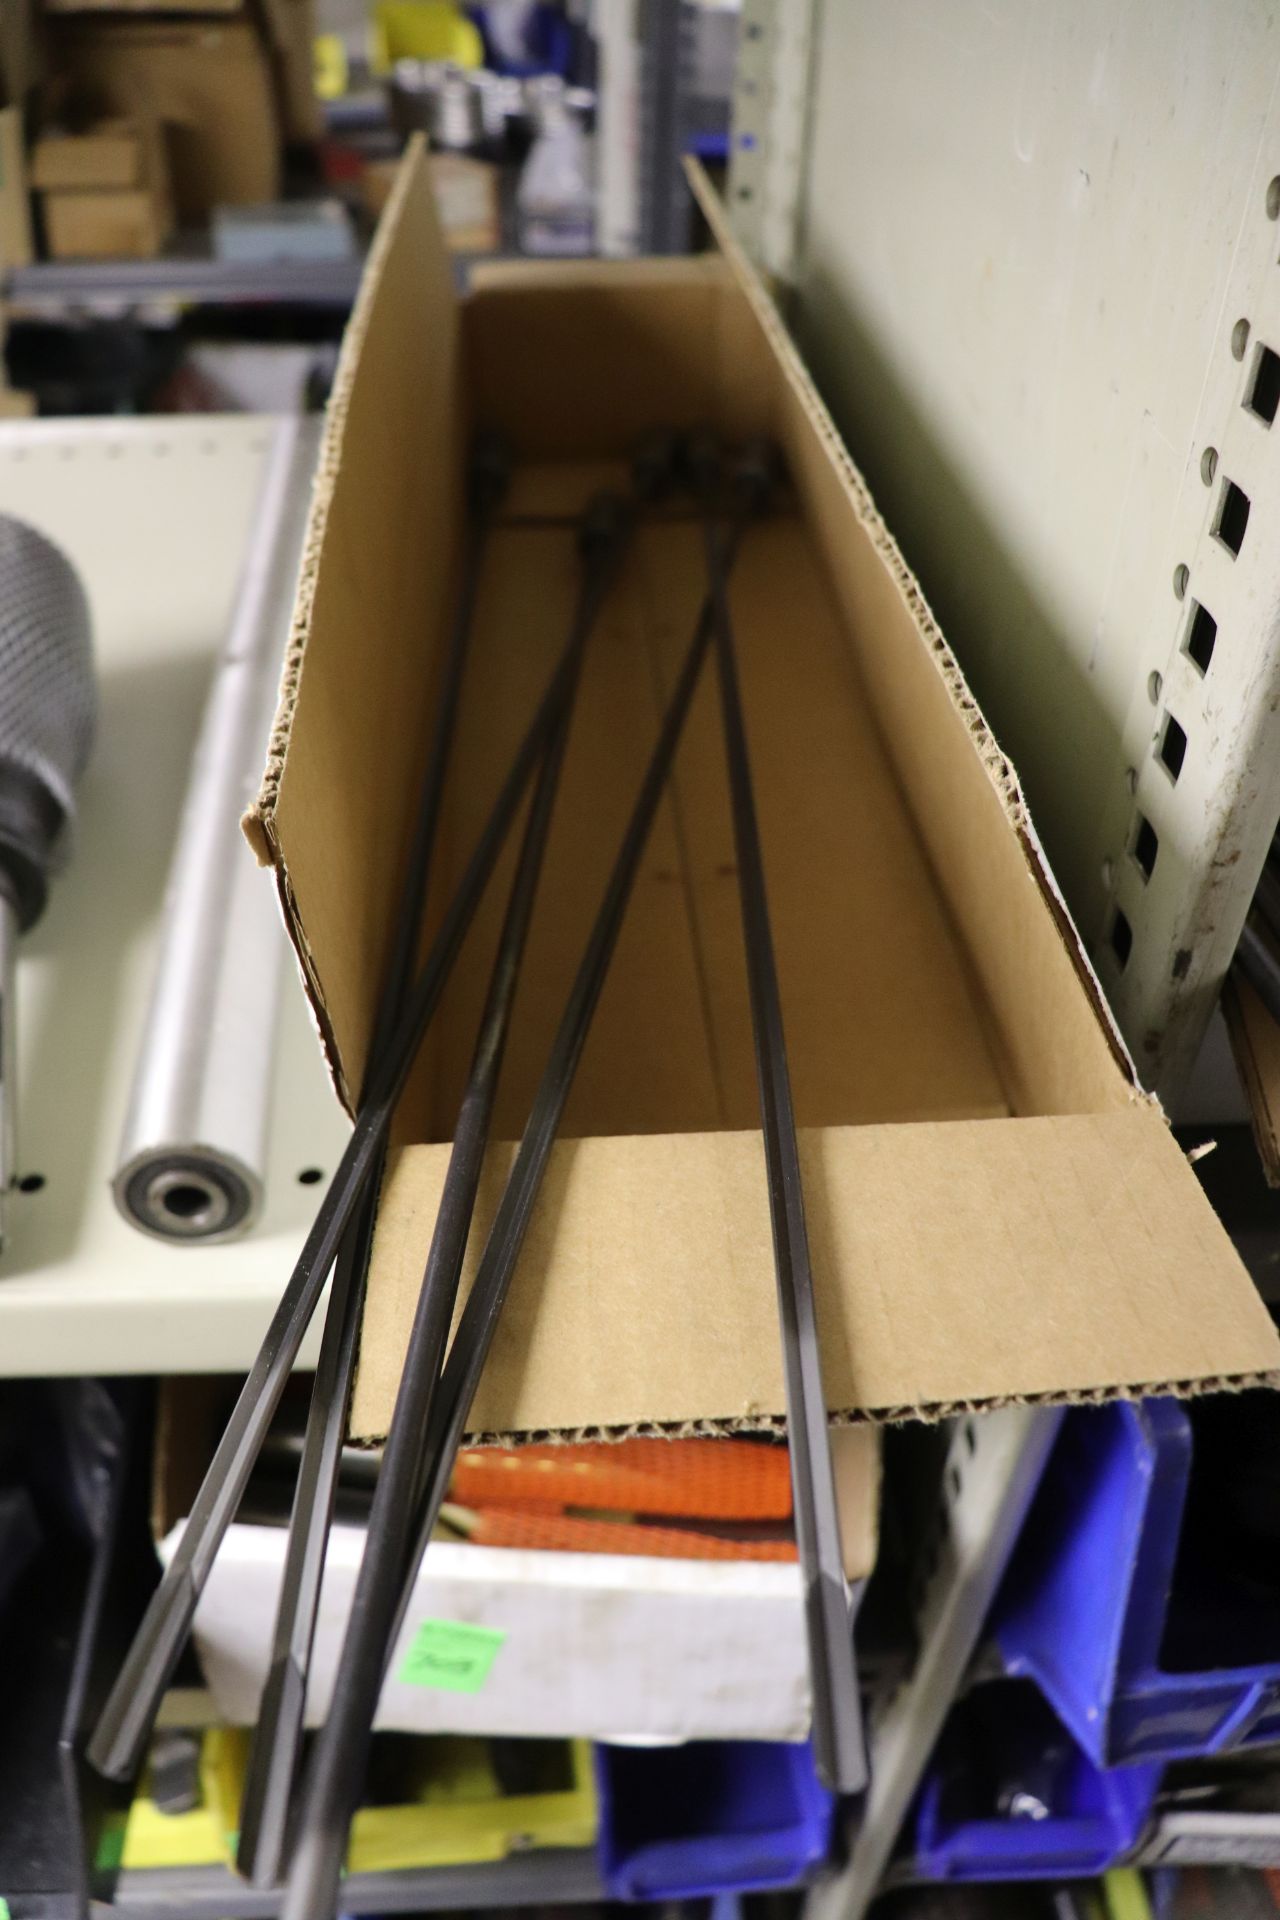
point(1054, 1065)
point(378, 560)
point(957, 1265)
point(975, 1261)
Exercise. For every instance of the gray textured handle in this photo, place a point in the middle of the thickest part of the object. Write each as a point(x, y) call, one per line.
point(48, 697)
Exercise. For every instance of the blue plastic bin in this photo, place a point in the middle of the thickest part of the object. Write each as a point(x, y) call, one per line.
point(709, 1817)
point(1090, 1610)
point(1009, 1795)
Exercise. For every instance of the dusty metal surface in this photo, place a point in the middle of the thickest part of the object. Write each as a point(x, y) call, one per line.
point(1038, 283)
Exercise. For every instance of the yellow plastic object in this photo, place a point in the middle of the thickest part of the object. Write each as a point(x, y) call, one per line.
point(329, 66)
point(205, 1837)
point(1125, 1895)
point(462, 1815)
point(427, 30)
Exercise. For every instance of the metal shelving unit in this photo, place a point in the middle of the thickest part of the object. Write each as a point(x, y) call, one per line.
point(551, 1878)
point(111, 286)
point(1033, 259)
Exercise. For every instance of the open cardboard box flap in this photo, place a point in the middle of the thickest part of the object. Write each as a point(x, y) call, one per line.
point(997, 1212)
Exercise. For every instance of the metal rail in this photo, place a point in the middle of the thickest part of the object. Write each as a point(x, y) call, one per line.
point(118, 1741)
point(333, 1776)
point(265, 1813)
point(837, 1708)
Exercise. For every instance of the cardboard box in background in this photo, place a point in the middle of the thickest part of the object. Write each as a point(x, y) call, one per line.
point(22, 64)
point(208, 86)
point(16, 248)
point(996, 1210)
point(121, 223)
point(106, 191)
point(466, 193)
point(291, 31)
point(114, 153)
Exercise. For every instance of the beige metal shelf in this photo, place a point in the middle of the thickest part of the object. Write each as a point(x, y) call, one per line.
point(154, 514)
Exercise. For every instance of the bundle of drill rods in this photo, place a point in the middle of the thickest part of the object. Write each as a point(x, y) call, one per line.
point(294, 1831)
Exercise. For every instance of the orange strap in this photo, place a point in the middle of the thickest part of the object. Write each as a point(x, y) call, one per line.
point(695, 1479)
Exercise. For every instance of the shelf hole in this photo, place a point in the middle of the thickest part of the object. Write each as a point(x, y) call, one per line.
point(1233, 517)
point(1155, 687)
point(1239, 339)
point(1121, 938)
point(1208, 465)
point(1273, 199)
point(310, 1177)
point(971, 1436)
point(1202, 635)
point(31, 1183)
point(1181, 577)
point(1146, 845)
point(1263, 396)
point(1173, 747)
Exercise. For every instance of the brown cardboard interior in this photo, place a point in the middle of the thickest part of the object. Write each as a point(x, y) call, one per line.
point(930, 986)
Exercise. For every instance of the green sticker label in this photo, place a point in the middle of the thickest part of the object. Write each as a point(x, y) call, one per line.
point(4, 1908)
point(451, 1655)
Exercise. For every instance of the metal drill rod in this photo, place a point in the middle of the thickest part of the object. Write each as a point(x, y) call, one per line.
point(337, 1760)
point(357, 1682)
point(273, 1756)
point(118, 1740)
point(837, 1715)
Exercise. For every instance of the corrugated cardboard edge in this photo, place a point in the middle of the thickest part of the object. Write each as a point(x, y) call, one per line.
point(259, 821)
point(996, 765)
point(930, 1412)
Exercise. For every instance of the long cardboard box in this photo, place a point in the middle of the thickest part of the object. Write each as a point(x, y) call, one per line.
point(997, 1210)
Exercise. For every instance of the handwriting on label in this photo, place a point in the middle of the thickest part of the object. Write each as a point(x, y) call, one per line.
point(454, 1656)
